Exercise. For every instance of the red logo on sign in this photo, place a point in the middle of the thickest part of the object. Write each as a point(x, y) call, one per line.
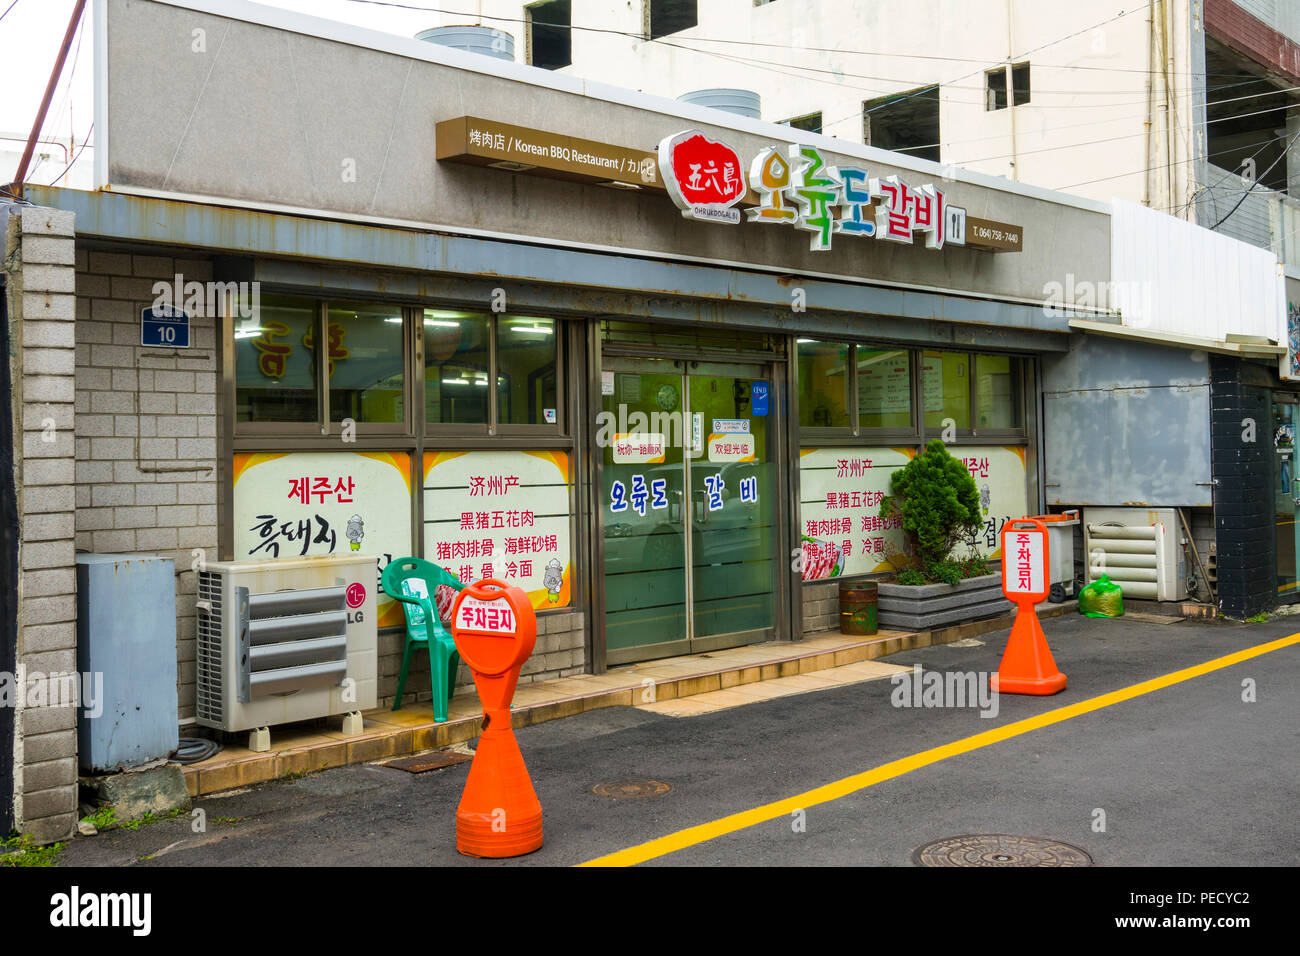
point(704, 178)
point(356, 595)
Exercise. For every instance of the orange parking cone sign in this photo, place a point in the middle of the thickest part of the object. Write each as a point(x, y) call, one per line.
point(1027, 664)
point(499, 814)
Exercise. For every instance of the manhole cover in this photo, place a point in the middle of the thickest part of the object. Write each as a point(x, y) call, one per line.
point(999, 849)
point(631, 789)
point(421, 763)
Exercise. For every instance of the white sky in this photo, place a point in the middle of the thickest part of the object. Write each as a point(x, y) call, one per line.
point(29, 43)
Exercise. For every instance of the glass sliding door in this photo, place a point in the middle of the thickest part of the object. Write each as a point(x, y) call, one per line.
point(689, 509)
point(733, 532)
point(642, 512)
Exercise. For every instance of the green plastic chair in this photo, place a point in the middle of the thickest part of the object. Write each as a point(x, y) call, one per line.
point(413, 581)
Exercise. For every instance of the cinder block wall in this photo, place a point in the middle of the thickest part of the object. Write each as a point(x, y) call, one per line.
point(38, 259)
point(146, 443)
point(821, 607)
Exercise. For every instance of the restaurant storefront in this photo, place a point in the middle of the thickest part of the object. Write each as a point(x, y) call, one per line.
point(653, 363)
point(724, 469)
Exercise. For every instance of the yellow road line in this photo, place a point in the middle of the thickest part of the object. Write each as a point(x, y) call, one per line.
point(691, 836)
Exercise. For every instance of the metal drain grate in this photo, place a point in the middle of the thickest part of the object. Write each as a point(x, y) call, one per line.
point(631, 789)
point(422, 763)
point(999, 849)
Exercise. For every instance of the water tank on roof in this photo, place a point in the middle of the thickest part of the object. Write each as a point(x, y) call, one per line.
point(486, 40)
point(741, 102)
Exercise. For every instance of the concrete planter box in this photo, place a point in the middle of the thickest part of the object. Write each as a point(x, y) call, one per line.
point(929, 606)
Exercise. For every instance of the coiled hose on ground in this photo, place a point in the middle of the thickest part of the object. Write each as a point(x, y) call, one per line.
point(194, 749)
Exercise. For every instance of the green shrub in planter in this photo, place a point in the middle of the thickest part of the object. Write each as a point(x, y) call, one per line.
point(911, 577)
point(944, 572)
point(936, 498)
point(974, 566)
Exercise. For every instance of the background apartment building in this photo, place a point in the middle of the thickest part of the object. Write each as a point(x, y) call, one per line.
point(1186, 106)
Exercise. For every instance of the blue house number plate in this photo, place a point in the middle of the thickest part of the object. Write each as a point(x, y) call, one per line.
point(165, 327)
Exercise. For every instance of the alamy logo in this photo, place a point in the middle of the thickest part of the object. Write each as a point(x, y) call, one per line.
point(74, 909)
point(917, 688)
point(57, 689)
point(208, 299)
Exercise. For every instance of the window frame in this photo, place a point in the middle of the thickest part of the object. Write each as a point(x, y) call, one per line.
point(494, 427)
point(414, 393)
point(918, 433)
point(1008, 89)
point(973, 435)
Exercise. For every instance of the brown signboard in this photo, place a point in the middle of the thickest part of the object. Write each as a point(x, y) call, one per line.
point(480, 142)
point(998, 236)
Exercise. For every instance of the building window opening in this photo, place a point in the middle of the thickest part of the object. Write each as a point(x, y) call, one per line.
point(1020, 84)
point(550, 34)
point(670, 16)
point(995, 87)
point(1247, 132)
point(904, 122)
point(811, 123)
point(995, 90)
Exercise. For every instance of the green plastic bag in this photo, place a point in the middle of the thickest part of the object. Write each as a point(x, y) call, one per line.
point(1102, 598)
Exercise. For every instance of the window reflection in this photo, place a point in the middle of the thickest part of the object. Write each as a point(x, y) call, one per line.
point(455, 368)
point(275, 370)
point(366, 378)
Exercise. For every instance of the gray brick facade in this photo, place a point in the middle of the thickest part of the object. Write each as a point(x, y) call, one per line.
point(39, 256)
point(146, 478)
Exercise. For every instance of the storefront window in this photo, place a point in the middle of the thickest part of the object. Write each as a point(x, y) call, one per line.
point(997, 392)
point(456, 367)
point(526, 384)
point(365, 362)
point(945, 383)
point(884, 388)
point(275, 367)
point(823, 384)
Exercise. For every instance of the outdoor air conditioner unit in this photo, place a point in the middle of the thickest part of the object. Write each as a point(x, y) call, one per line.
point(282, 641)
point(1137, 548)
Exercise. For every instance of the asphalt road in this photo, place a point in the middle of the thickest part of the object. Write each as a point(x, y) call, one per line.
point(1189, 774)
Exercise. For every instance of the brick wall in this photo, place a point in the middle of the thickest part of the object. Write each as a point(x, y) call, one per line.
point(821, 607)
point(39, 255)
point(146, 442)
